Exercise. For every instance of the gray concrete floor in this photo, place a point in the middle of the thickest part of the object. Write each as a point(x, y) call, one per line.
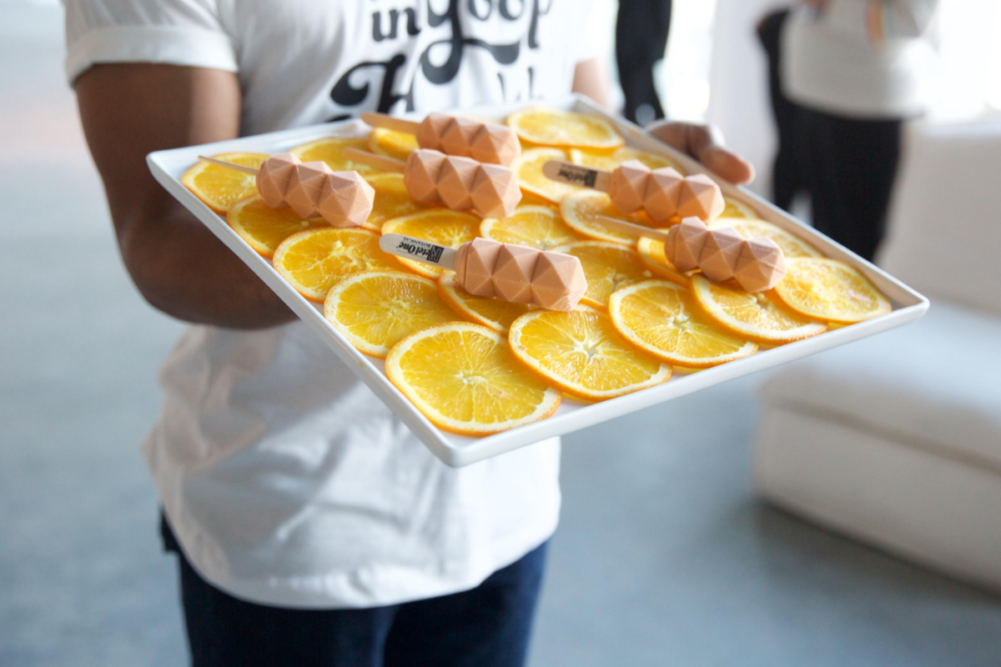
point(663, 558)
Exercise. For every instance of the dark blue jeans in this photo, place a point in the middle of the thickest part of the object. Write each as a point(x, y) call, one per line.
point(488, 626)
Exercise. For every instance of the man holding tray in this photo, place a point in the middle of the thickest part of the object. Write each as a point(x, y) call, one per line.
point(312, 528)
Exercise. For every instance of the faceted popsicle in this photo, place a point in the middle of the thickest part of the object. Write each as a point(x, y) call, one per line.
point(512, 274)
point(627, 185)
point(495, 191)
point(558, 282)
point(272, 179)
point(304, 187)
point(346, 199)
point(663, 191)
point(761, 265)
point(701, 198)
point(455, 182)
point(720, 253)
point(421, 174)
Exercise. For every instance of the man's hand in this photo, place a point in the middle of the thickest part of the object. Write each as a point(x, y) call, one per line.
point(129, 110)
point(705, 144)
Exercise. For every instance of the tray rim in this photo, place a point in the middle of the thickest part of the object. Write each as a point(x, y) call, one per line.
point(457, 451)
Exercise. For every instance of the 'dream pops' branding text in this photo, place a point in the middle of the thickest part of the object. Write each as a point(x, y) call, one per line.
point(446, 34)
point(430, 252)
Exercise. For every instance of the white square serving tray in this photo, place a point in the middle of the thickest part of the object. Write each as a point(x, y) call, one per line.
point(168, 167)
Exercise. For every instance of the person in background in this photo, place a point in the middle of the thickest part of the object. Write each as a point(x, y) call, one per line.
point(311, 527)
point(641, 29)
point(844, 77)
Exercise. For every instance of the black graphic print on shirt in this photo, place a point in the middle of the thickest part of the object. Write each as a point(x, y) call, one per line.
point(393, 83)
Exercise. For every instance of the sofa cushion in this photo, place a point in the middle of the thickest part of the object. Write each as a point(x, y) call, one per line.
point(936, 381)
point(945, 222)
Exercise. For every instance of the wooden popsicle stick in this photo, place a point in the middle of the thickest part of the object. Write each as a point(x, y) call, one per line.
point(390, 123)
point(373, 160)
point(418, 250)
point(231, 165)
point(632, 229)
point(576, 174)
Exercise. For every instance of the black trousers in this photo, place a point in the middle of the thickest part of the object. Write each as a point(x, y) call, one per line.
point(641, 29)
point(488, 626)
point(846, 166)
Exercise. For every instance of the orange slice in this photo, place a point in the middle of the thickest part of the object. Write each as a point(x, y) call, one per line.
point(393, 144)
point(830, 290)
point(593, 159)
point(737, 208)
point(607, 267)
point(528, 168)
point(264, 228)
point(602, 160)
point(463, 378)
point(441, 226)
point(376, 309)
point(583, 354)
point(391, 200)
point(652, 254)
point(581, 209)
point(314, 261)
point(652, 160)
point(550, 127)
point(662, 319)
point(496, 314)
point(757, 317)
point(221, 187)
point(331, 150)
point(749, 229)
point(535, 226)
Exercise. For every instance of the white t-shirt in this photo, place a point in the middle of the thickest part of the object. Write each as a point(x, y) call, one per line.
point(840, 62)
point(286, 481)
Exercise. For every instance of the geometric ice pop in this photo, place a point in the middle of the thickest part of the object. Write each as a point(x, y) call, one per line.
point(757, 264)
point(721, 253)
point(663, 193)
point(342, 198)
point(515, 273)
point(459, 183)
point(484, 142)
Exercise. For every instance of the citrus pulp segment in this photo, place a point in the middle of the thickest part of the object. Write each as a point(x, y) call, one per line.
point(830, 290)
point(315, 260)
point(331, 150)
point(264, 228)
point(534, 226)
point(582, 353)
point(463, 378)
point(398, 145)
point(607, 267)
point(376, 309)
point(528, 168)
point(652, 160)
point(594, 160)
point(662, 319)
point(221, 187)
point(791, 246)
point(737, 208)
point(550, 127)
point(391, 200)
point(757, 317)
point(441, 226)
point(497, 314)
point(652, 254)
point(581, 209)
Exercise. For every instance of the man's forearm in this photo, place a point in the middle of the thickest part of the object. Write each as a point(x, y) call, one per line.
point(182, 269)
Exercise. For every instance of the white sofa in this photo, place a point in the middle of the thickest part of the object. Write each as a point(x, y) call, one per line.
point(896, 440)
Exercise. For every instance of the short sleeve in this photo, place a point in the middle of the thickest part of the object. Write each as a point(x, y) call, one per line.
point(172, 32)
